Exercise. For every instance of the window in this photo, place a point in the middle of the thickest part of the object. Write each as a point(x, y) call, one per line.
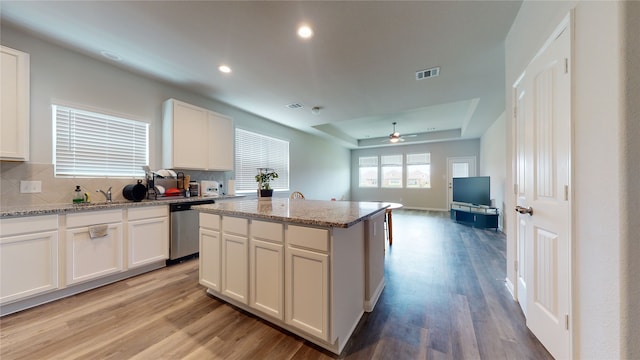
point(90, 144)
point(368, 171)
point(418, 171)
point(391, 171)
point(255, 151)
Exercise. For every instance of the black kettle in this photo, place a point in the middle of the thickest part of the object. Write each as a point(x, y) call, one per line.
point(135, 192)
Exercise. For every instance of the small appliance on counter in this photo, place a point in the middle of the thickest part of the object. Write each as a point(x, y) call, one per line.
point(209, 188)
point(194, 188)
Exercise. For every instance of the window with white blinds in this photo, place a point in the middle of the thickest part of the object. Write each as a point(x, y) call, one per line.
point(419, 171)
point(90, 144)
point(368, 171)
point(391, 169)
point(255, 151)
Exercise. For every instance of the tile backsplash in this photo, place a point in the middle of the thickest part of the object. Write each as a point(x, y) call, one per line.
point(60, 190)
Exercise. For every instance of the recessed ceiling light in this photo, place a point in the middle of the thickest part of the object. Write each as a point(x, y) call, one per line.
point(224, 68)
point(111, 56)
point(305, 32)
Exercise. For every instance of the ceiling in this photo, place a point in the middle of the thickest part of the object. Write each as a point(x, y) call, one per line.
point(358, 68)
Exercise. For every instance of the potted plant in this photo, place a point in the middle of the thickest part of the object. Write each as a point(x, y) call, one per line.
point(263, 178)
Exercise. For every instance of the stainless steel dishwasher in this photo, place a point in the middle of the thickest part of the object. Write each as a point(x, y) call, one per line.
point(185, 227)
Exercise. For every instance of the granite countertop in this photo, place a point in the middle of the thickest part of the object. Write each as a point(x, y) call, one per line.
point(342, 214)
point(52, 209)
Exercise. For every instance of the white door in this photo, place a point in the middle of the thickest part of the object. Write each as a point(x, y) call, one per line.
point(459, 167)
point(543, 143)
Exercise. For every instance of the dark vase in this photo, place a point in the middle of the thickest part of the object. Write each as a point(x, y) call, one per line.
point(266, 193)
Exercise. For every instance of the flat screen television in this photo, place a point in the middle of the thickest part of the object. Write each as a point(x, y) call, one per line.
point(472, 190)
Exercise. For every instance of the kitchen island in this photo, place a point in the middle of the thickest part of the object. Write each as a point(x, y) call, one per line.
point(310, 267)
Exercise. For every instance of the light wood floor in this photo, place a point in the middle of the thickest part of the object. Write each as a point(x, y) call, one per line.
point(445, 299)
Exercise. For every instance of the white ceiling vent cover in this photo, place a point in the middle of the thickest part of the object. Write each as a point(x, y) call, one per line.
point(428, 73)
point(294, 106)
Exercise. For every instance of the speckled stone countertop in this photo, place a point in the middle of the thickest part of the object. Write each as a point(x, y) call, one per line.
point(52, 209)
point(342, 214)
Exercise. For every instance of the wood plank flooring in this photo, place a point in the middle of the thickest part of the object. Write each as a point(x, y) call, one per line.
point(445, 298)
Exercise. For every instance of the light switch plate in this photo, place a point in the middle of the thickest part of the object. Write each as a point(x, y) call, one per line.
point(30, 187)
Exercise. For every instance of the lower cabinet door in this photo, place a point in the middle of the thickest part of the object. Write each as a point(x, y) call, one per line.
point(28, 265)
point(90, 258)
point(210, 259)
point(307, 293)
point(266, 277)
point(148, 241)
point(235, 267)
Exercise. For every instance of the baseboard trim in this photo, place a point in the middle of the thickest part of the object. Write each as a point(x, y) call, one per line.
point(371, 303)
point(510, 288)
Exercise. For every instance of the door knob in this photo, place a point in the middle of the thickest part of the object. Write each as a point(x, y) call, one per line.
point(524, 210)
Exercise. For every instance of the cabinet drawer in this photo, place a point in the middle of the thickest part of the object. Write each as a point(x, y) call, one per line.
point(147, 212)
point(210, 221)
point(312, 238)
point(31, 224)
point(266, 230)
point(235, 225)
point(93, 218)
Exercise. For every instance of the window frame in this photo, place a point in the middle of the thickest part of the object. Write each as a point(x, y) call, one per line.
point(259, 157)
point(83, 135)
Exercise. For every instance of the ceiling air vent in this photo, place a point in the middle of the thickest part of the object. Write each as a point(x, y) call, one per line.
point(428, 73)
point(294, 106)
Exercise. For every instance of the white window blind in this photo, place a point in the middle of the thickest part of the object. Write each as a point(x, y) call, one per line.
point(89, 144)
point(255, 151)
point(392, 160)
point(418, 159)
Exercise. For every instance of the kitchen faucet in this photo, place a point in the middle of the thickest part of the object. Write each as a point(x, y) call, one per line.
point(106, 194)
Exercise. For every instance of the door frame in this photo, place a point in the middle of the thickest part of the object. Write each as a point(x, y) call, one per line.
point(450, 160)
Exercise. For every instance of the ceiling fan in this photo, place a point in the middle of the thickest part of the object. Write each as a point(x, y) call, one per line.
point(395, 136)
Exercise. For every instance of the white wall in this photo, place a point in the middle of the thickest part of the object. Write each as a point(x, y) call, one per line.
point(434, 198)
point(58, 74)
point(493, 160)
point(601, 321)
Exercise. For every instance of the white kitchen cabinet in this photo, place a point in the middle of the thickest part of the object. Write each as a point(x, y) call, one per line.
point(147, 235)
point(307, 293)
point(374, 266)
point(210, 259)
point(221, 137)
point(196, 138)
point(266, 268)
point(235, 257)
point(28, 257)
point(90, 258)
point(14, 105)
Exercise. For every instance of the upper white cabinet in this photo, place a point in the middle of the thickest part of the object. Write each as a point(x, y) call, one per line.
point(195, 138)
point(28, 257)
point(14, 107)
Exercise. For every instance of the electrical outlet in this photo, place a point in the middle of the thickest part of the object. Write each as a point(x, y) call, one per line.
point(30, 187)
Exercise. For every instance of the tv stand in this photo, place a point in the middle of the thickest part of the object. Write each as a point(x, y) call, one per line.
point(481, 217)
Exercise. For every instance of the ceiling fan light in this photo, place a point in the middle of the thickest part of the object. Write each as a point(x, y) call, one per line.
point(394, 140)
